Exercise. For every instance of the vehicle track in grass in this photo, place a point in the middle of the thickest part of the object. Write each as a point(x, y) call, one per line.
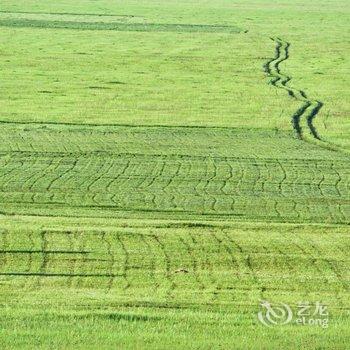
point(310, 108)
point(78, 167)
point(218, 263)
point(144, 171)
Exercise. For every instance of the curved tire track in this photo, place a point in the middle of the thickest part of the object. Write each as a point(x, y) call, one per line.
point(310, 108)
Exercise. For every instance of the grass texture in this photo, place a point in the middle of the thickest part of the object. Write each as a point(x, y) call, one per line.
point(166, 166)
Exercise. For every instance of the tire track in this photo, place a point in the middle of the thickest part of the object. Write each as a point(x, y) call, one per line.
point(310, 108)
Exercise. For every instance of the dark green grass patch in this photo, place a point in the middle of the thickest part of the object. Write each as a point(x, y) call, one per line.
point(130, 27)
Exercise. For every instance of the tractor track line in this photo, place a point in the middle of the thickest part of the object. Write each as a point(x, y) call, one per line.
point(280, 81)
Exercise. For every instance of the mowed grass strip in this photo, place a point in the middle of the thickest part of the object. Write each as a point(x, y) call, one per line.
point(157, 169)
point(130, 27)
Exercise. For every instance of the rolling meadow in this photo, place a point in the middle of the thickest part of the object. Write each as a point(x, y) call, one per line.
point(167, 166)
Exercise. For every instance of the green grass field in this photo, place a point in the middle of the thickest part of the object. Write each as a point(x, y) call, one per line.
point(167, 166)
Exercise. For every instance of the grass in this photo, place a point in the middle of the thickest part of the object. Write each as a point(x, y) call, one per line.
point(127, 27)
point(172, 79)
point(167, 283)
point(166, 166)
point(157, 170)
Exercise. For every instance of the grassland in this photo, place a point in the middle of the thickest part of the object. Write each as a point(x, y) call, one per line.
point(165, 166)
point(91, 283)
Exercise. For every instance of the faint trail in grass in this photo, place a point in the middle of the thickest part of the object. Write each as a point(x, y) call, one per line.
point(44, 262)
point(194, 263)
point(207, 264)
point(151, 255)
point(316, 256)
point(126, 264)
point(168, 273)
point(111, 259)
point(4, 239)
